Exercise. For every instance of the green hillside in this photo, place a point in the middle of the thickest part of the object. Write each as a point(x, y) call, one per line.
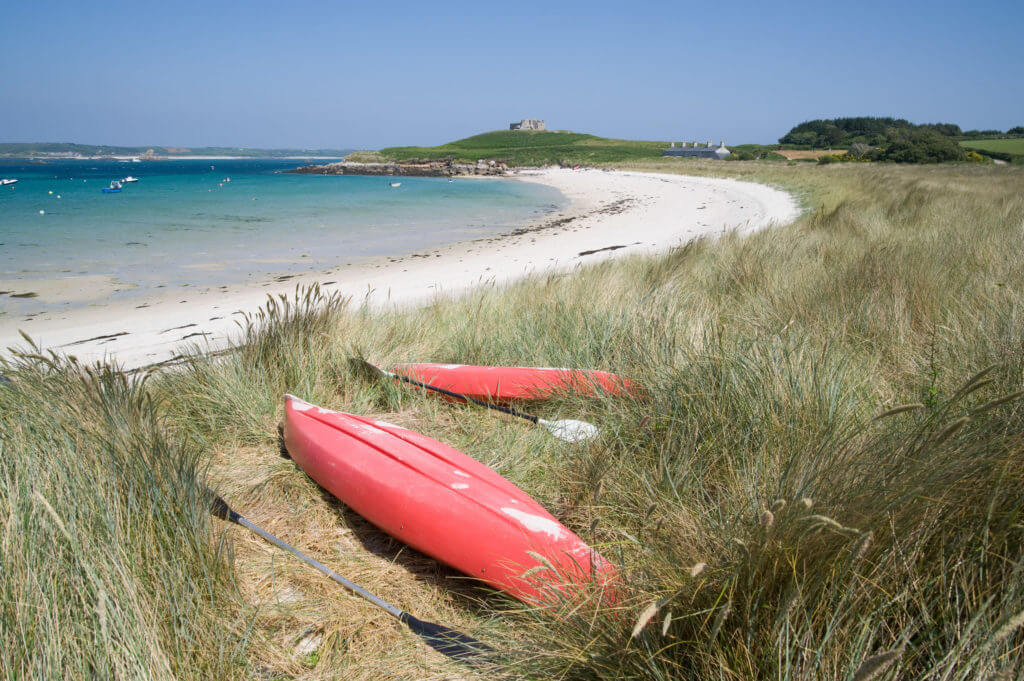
point(1013, 147)
point(530, 148)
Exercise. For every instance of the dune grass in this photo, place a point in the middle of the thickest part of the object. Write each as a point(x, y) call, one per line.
point(823, 479)
point(108, 565)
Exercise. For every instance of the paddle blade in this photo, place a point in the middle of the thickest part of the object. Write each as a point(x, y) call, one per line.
point(220, 508)
point(570, 430)
point(360, 367)
point(449, 642)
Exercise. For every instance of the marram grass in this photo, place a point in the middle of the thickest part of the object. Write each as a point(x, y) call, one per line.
point(822, 479)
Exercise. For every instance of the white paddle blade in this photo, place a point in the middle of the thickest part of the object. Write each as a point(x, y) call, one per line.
point(570, 430)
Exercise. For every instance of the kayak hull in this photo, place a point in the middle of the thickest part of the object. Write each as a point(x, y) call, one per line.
point(512, 384)
point(440, 501)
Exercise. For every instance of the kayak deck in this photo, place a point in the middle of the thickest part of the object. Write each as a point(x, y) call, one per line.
point(440, 501)
point(511, 384)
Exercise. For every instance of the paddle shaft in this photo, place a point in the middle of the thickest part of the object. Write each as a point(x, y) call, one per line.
point(351, 586)
point(467, 398)
point(449, 642)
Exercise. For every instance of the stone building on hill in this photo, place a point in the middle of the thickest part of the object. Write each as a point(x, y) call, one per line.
point(528, 124)
point(698, 150)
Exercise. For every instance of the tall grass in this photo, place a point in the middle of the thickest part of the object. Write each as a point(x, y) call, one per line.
point(108, 568)
point(822, 479)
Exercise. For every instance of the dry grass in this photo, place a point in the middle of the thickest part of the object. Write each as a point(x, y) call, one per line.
point(798, 154)
point(834, 545)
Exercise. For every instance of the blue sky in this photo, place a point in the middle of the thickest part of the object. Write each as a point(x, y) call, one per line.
point(334, 74)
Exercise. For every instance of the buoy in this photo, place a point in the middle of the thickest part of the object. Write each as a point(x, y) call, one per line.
point(58, 196)
point(42, 212)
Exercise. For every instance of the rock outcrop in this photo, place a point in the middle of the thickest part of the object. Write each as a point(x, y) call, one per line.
point(427, 169)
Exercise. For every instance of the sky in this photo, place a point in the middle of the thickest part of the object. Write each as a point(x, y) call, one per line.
point(373, 74)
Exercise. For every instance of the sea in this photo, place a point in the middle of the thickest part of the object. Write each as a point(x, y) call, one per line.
point(223, 222)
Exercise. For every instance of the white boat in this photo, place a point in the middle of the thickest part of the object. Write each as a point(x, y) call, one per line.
point(136, 160)
point(130, 179)
point(227, 179)
point(395, 184)
point(7, 180)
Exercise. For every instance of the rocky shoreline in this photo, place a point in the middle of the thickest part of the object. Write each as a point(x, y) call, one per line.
point(429, 169)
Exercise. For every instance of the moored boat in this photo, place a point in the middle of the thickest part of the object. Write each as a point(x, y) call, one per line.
point(441, 502)
point(507, 384)
point(7, 181)
point(129, 179)
point(114, 187)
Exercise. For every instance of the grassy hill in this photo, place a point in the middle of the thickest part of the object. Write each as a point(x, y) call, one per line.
point(528, 148)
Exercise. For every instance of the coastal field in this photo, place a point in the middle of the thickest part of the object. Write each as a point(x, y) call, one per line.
point(801, 154)
point(1006, 146)
point(822, 480)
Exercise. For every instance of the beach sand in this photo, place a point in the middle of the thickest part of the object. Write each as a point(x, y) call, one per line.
point(611, 214)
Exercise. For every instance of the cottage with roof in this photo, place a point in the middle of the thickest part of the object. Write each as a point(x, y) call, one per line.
point(698, 150)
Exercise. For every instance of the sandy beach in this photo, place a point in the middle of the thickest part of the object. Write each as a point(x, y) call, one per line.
point(611, 214)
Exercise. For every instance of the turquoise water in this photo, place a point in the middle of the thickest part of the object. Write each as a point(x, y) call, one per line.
point(183, 223)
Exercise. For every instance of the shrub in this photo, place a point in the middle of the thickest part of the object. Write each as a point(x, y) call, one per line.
point(921, 146)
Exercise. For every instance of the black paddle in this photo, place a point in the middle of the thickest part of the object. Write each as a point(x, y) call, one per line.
point(448, 642)
point(568, 430)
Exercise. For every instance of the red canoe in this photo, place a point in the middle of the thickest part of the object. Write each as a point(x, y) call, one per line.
point(507, 384)
point(439, 501)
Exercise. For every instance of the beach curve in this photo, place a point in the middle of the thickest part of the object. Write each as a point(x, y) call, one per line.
point(611, 214)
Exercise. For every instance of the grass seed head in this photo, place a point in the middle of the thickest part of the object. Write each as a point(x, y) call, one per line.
point(646, 615)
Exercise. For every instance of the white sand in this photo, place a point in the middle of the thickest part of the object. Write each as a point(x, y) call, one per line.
point(638, 212)
point(70, 289)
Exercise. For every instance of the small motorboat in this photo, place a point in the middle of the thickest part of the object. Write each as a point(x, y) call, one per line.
point(129, 179)
point(227, 179)
point(114, 187)
point(7, 181)
point(394, 184)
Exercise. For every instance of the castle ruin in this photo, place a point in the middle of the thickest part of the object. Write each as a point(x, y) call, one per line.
point(528, 124)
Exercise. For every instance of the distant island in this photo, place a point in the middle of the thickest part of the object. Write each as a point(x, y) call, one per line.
point(71, 150)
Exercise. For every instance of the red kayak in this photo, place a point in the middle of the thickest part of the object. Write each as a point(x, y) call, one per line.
point(439, 501)
point(507, 384)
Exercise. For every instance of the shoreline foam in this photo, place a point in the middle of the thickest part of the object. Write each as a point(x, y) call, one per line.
point(611, 214)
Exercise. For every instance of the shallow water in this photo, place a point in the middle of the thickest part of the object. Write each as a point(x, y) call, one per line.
point(185, 223)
